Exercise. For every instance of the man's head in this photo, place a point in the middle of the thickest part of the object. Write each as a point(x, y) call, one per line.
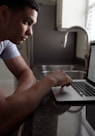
point(17, 18)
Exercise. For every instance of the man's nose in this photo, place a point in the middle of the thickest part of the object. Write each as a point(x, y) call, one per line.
point(30, 31)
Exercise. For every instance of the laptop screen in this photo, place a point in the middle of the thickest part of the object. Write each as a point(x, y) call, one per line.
point(91, 67)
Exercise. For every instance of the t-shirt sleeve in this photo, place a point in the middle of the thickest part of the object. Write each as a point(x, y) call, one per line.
point(10, 50)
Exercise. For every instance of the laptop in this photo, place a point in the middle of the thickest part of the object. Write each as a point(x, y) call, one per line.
point(81, 91)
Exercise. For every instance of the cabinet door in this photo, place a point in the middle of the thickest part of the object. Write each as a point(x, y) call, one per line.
point(71, 13)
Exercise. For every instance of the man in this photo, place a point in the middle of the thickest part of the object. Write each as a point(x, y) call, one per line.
point(17, 18)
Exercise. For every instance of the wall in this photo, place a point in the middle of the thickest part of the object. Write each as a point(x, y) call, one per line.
point(47, 40)
point(80, 51)
point(81, 44)
point(6, 79)
point(47, 2)
point(24, 49)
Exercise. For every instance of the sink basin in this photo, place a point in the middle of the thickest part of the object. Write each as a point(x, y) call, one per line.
point(74, 71)
point(71, 70)
point(62, 67)
point(74, 74)
point(56, 67)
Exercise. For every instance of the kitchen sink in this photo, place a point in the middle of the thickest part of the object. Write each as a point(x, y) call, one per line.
point(74, 74)
point(74, 71)
point(62, 67)
point(56, 67)
point(71, 70)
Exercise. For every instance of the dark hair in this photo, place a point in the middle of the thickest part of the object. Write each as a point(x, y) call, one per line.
point(20, 4)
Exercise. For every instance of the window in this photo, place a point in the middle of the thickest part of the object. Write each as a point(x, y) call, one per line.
point(91, 19)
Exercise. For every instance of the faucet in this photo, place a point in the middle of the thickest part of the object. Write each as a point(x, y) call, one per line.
point(75, 29)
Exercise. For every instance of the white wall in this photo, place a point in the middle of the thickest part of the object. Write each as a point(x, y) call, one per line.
point(6, 79)
point(5, 74)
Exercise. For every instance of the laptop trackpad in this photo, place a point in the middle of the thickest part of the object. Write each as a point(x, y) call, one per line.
point(65, 94)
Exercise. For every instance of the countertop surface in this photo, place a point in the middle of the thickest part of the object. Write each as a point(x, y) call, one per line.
point(51, 119)
point(44, 120)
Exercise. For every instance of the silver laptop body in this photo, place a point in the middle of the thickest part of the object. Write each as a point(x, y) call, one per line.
point(70, 94)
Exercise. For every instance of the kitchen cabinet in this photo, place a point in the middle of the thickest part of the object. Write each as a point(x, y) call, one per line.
point(70, 13)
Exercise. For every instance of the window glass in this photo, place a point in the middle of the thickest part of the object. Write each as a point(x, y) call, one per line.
point(90, 25)
point(91, 2)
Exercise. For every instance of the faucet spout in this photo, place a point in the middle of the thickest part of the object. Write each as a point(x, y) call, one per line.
point(87, 40)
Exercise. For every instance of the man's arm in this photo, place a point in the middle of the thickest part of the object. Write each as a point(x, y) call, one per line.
point(22, 72)
point(15, 108)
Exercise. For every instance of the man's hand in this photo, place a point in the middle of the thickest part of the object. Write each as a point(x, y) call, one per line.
point(59, 77)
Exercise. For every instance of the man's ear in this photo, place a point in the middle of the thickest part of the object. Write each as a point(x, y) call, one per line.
point(4, 11)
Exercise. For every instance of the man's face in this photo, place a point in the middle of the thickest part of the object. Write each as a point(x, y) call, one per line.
point(20, 25)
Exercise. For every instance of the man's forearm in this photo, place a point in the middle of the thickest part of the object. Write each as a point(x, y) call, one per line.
point(19, 105)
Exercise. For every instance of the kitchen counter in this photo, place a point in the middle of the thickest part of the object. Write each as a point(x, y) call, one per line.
point(44, 119)
point(52, 119)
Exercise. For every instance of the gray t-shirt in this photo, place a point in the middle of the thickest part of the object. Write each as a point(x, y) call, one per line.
point(8, 50)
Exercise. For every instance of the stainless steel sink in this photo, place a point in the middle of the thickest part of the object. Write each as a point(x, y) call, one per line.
point(56, 67)
point(76, 74)
point(71, 70)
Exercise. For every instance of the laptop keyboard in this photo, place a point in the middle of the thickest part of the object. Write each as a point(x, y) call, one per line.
point(83, 89)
